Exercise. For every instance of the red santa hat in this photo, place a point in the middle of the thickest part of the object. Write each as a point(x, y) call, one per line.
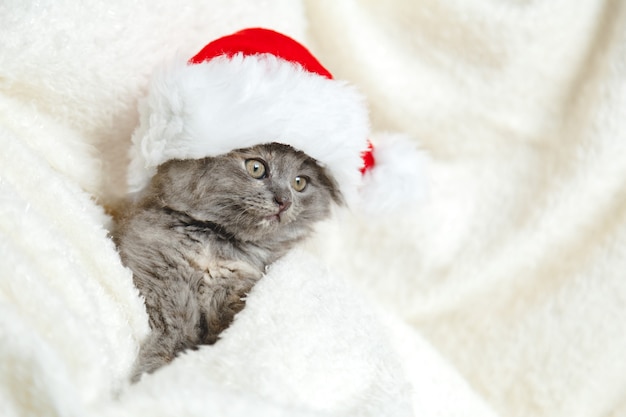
point(252, 87)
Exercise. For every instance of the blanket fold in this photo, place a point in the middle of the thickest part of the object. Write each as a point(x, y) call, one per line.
point(500, 292)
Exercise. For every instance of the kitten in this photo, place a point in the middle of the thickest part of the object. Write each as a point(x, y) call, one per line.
point(204, 233)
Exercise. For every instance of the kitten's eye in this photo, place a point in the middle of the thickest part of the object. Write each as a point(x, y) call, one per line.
point(299, 183)
point(256, 168)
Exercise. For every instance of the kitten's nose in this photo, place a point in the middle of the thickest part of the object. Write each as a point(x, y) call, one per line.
point(283, 203)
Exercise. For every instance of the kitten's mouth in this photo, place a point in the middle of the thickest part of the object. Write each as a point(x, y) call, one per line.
point(274, 217)
point(283, 207)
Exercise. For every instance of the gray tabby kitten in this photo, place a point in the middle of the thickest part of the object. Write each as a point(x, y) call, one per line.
point(204, 233)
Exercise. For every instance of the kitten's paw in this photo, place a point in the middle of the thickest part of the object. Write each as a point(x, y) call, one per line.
point(222, 303)
point(230, 270)
point(154, 353)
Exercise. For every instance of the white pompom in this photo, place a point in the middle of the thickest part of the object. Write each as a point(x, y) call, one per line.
point(399, 178)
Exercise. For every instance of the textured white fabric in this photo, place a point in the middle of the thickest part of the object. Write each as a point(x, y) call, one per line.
point(502, 289)
point(515, 266)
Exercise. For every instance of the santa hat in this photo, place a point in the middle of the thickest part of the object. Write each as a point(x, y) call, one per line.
point(253, 87)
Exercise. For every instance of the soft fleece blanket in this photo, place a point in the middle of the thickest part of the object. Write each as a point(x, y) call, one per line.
point(502, 292)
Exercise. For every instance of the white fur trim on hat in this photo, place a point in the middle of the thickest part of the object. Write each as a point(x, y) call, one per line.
point(194, 111)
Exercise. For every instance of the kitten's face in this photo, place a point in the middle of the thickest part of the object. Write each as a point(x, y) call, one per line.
point(264, 192)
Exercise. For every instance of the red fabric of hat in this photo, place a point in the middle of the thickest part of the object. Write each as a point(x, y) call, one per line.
point(255, 41)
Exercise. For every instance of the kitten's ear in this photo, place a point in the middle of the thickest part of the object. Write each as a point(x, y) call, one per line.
point(328, 181)
point(161, 177)
point(337, 197)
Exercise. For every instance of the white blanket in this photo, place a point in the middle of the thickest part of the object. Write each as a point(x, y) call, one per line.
point(503, 292)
